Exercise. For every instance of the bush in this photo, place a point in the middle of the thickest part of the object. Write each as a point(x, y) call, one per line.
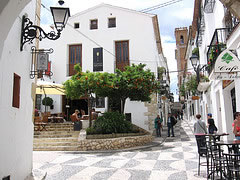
point(111, 122)
point(91, 130)
point(47, 101)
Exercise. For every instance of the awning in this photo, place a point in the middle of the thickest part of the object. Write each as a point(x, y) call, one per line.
point(227, 67)
point(44, 87)
point(203, 86)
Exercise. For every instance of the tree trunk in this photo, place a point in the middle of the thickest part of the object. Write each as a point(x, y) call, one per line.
point(123, 105)
point(89, 111)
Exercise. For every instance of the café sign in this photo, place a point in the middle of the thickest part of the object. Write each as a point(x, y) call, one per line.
point(227, 67)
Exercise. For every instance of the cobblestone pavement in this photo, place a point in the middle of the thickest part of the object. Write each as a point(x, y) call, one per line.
point(167, 158)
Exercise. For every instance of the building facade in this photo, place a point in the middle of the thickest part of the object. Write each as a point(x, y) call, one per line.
point(16, 100)
point(217, 33)
point(104, 38)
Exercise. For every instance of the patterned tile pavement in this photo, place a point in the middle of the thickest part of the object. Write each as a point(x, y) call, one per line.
point(167, 158)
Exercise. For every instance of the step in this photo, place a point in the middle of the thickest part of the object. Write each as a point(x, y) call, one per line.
point(57, 148)
point(55, 132)
point(56, 136)
point(54, 144)
point(70, 139)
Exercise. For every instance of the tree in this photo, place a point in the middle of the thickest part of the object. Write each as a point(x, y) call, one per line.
point(134, 83)
point(84, 84)
point(192, 84)
point(47, 101)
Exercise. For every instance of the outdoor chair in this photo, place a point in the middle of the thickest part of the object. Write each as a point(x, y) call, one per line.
point(39, 124)
point(233, 166)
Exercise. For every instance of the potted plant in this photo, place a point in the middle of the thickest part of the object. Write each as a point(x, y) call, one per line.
point(191, 85)
point(47, 101)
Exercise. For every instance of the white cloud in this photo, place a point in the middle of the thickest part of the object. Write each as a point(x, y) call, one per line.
point(167, 39)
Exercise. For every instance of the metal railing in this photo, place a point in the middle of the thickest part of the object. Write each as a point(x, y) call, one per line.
point(209, 6)
point(217, 45)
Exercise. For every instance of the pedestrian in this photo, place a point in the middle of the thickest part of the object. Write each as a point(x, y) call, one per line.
point(211, 125)
point(181, 115)
point(236, 125)
point(199, 131)
point(158, 125)
point(171, 121)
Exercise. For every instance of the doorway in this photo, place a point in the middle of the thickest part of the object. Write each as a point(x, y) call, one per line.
point(69, 106)
point(219, 114)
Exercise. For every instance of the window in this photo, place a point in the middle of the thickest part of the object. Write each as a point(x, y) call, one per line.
point(97, 59)
point(111, 22)
point(75, 57)
point(181, 40)
point(16, 91)
point(100, 102)
point(76, 25)
point(94, 24)
point(122, 54)
point(38, 101)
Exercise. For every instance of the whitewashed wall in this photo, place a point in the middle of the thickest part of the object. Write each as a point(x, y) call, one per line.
point(16, 130)
point(133, 26)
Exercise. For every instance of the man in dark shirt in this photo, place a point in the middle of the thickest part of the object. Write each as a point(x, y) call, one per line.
point(170, 123)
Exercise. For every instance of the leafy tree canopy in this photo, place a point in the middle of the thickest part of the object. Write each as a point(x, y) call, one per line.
point(135, 83)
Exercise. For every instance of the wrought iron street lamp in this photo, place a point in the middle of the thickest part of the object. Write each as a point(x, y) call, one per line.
point(30, 31)
point(196, 66)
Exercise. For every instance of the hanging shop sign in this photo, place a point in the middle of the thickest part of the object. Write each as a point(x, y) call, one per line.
point(227, 67)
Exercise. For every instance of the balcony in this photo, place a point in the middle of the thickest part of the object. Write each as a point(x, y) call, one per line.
point(231, 21)
point(209, 6)
point(201, 27)
point(217, 45)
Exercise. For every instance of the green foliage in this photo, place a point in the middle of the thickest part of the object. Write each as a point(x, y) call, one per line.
point(134, 83)
point(91, 130)
point(182, 90)
point(214, 52)
point(161, 70)
point(111, 122)
point(47, 101)
point(204, 79)
point(195, 51)
point(191, 85)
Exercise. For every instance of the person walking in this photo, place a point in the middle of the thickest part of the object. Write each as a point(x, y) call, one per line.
point(199, 131)
point(158, 125)
point(171, 121)
point(211, 125)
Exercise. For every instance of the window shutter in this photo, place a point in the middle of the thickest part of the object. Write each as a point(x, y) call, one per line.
point(97, 59)
point(16, 91)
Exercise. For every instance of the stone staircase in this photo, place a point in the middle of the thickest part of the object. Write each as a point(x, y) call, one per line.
point(58, 137)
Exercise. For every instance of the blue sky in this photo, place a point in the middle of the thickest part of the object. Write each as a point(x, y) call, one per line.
point(170, 17)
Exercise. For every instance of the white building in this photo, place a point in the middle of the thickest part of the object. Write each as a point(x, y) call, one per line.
point(16, 103)
point(104, 38)
point(217, 30)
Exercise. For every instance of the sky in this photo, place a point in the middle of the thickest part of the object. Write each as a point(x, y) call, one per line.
point(170, 17)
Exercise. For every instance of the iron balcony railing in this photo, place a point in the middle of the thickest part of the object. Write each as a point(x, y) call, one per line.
point(231, 21)
point(217, 45)
point(209, 6)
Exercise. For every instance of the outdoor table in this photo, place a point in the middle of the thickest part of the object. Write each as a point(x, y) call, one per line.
point(55, 119)
point(231, 144)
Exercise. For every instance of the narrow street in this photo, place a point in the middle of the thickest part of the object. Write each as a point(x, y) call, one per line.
point(166, 159)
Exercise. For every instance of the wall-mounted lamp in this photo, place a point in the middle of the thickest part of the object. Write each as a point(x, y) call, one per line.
point(196, 66)
point(30, 31)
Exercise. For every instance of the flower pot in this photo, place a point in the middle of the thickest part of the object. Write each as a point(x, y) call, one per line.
point(195, 97)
